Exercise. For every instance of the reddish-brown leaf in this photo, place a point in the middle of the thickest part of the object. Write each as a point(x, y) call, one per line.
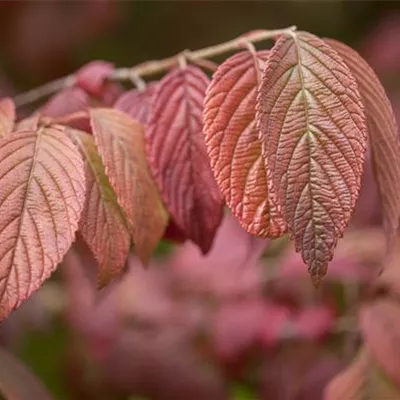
point(178, 156)
point(42, 196)
point(361, 380)
point(383, 135)
point(314, 134)
point(137, 103)
point(102, 223)
point(233, 146)
point(17, 382)
point(7, 116)
point(67, 101)
point(380, 327)
point(120, 142)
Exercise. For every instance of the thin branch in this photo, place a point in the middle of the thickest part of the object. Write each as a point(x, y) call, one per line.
point(156, 66)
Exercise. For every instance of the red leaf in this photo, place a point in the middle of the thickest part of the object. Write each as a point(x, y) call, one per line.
point(7, 116)
point(383, 134)
point(314, 136)
point(233, 146)
point(17, 382)
point(120, 142)
point(380, 327)
point(92, 77)
point(178, 157)
point(43, 182)
point(137, 103)
point(102, 223)
point(65, 102)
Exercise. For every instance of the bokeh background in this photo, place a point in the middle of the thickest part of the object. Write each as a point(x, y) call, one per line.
point(242, 323)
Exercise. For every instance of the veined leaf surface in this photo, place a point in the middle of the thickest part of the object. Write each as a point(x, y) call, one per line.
point(383, 134)
point(102, 224)
point(7, 116)
point(234, 148)
point(137, 103)
point(178, 156)
point(314, 134)
point(120, 142)
point(42, 196)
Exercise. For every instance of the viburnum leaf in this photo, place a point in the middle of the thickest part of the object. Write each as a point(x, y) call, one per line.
point(383, 135)
point(92, 76)
point(102, 224)
point(65, 102)
point(28, 124)
point(7, 116)
point(17, 382)
point(178, 157)
point(42, 196)
point(380, 327)
point(120, 142)
point(314, 135)
point(233, 146)
point(361, 380)
point(137, 103)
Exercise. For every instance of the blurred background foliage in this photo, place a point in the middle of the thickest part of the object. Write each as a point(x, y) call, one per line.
point(192, 328)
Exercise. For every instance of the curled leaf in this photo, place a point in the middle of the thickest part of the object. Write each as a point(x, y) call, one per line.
point(42, 196)
point(314, 135)
point(137, 103)
point(102, 223)
point(383, 134)
point(7, 116)
point(92, 77)
point(178, 158)
point(233, 146)
point(120, 142)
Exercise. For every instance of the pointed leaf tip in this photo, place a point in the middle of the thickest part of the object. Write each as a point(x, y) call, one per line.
point(234, 148)
point(178, 157)
point(314, 135)
point(120, 142)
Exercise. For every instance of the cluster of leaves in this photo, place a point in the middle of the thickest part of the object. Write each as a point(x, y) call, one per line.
point(279, 136)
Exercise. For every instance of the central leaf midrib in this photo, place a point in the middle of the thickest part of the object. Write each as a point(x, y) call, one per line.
point(307, 122)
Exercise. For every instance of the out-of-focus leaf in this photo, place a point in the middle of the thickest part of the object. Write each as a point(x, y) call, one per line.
point(43, 193)
point(92, 77)
point(383, 134)
point(178, 158)
point(233, 146)
point(380, 327)
point(17, 382)
point(67, 101)
point(137, 103)
point(28, 124)
point(312, 124)
point(7, 116)
point(120, 142)
point(361, 380)
point(102, 222)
